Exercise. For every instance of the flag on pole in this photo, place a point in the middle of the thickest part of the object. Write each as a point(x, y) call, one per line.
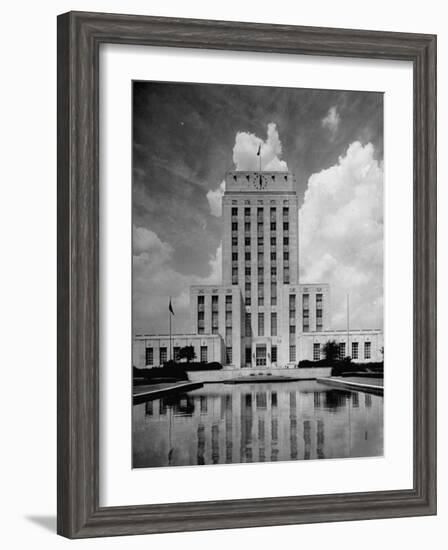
point(170, 308)
point(259, 150)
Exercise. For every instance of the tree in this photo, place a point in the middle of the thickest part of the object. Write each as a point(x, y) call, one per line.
point(187, 353)
point(331, 350)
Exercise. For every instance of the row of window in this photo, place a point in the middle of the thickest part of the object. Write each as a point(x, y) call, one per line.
point(163, 355)
point(260, 209)
point(342, 351)
point(260, 226)
point(214, 315)
point(317, 348)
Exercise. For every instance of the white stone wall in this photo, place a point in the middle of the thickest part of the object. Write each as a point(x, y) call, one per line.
point(140, 343)
point(375, 337)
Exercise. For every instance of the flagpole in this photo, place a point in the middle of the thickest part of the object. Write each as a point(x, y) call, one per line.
point(348, 326)
point(169, 315)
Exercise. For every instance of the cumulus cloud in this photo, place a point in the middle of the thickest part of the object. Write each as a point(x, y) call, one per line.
point(214, 198)
point(154, 280)
point(341, 235)
point(245, 158)
point(246, 148)
point(331, 120)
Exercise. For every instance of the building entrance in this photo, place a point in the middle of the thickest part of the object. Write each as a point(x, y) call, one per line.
point(260, 356)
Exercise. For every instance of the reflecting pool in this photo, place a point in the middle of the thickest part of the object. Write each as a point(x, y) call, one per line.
point(256, 422)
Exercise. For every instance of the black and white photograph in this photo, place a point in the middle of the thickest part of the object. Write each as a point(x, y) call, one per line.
point(257, 274)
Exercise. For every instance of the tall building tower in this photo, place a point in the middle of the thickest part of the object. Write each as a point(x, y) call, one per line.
point(261, 256)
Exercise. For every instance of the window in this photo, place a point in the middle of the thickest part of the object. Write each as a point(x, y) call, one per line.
point(260, 274)
point(273, 226)
point(229, 302)
point(214, 303)
point(234, 256)
point(273, 323)
point(246, 241)
point(215, 329)
point(285, 226)
point(292, 353)
point(228, 355)
point(234, 226)
point(273, 294)
point(204, 353)
point(292, 329)
point(273, 256)
point(355, 350)
point(149, 356)
point(316, 352)
point(176, 350)
point(285, 212)
point(367, 350)
point(260, 257)
point(286, 256)
point(260, 214)
point(247, 227)
point(273, 214)
point(248, 356)
point(163, 356)
point(234, 211)
point(248, 322)
point(247, 256)
point(273, 270)
point(200, 303)
point(273, 241)
point(228, 336)
point(261, 324)
point(234, 241)
point(274, 354)
point(247, 212)
point(286, 241)
point(342, 350)
point(247, 287)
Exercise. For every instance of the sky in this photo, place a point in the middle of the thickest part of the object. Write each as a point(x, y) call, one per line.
point(186, 136)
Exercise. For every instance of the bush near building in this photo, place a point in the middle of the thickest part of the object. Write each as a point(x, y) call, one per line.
point(346, 367)
point(170, 372)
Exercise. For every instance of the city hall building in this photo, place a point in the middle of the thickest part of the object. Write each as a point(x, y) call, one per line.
point(260, 316)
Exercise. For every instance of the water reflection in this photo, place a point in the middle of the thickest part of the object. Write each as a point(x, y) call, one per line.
point(223, 423)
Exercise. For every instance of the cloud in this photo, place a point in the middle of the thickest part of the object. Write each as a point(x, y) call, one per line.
point(245, 158)
point(214, 198)
point(155, 279)
point(331, 120)
point(246, 147)
point(341, 235)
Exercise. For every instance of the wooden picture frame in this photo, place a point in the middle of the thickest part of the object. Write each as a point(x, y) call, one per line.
point(79, 38)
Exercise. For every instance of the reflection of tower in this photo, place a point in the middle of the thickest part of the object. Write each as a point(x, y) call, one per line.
point(215, 443)
point(307, 439)
point(293, 424)
point(246, 427)
point(320, 439)
point(201, 444)
point(228, 421)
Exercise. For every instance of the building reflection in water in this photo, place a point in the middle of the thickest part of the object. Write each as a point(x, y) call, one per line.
point(225, 423)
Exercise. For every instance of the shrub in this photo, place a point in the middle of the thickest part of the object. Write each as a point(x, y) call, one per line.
point(170, 371)
point(214, 365)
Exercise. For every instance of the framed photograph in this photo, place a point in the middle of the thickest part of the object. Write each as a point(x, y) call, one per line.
point(246, 274)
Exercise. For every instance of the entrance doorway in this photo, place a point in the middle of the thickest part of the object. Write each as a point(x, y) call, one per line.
point(260, 355)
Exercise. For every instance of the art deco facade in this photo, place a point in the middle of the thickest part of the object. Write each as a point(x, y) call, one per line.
point(261, 314)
